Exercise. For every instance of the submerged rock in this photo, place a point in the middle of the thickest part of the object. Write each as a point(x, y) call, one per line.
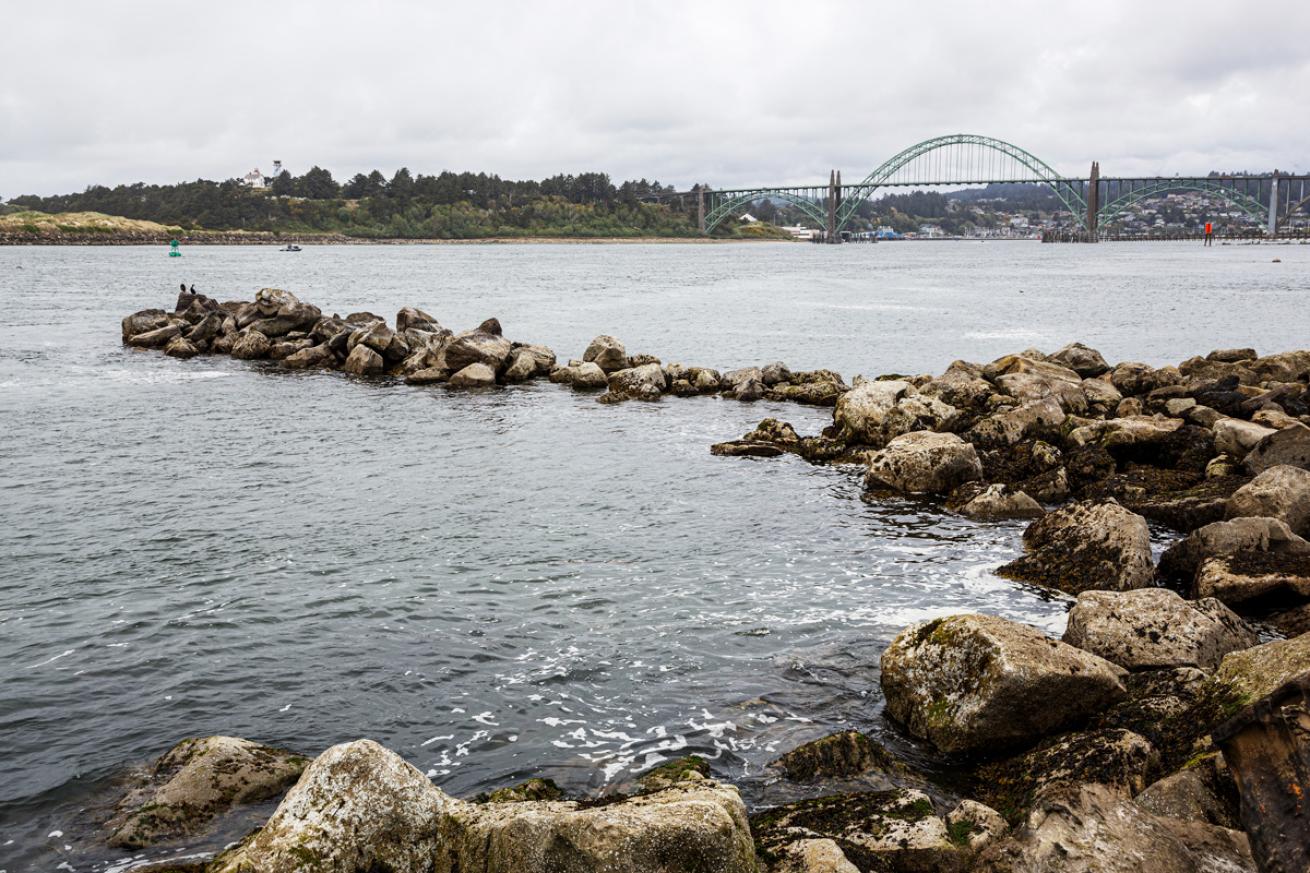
point(978, 683)
point(195, 782)
point(1086, 545)
point(845, 753)
point(1152, 628)
point(924, 462)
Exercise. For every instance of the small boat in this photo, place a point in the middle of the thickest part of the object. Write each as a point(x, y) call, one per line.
point(290, 248)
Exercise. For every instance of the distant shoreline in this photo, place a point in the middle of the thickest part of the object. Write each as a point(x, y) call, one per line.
point(242, 240)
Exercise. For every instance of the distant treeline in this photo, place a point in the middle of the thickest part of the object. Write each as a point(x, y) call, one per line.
point(445, 206)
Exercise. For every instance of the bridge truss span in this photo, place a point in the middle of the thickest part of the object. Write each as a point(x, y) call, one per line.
point(962, 159)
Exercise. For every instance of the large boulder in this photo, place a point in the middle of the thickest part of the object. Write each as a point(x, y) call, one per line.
point(280, 312)
point(363, 361)
point(587, 376)
point(521, 367)
point(307, 358)
point(1086, 362)
point(1180, 562)
point(251, 345)
point(646, 382)
point(1251, 674)
point(197, 781)
point(877, 830)
point(1236, 437)
point(1086, 545)
point(543, 359)
point(1154, 627)
point(1036, 418)
point(875, 412)
point(143, 322)
point(924, 462)
point(1253, 577)
point(1092, 829)
point(474, 376)
point(360, 807)
point(477, 347)
point(357, 807)
point(1132, 431)
point(1120, 759)
point(181, 347)
point(156, 338)
point(979, 683)
point(1289, 446)
point(607, 353)
point(411, 318)
point(1026, 380)
point(1281, 492)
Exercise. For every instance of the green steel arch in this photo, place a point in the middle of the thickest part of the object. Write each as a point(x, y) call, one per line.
point(1042, 172)
point(1244, 202)
point(721, 209)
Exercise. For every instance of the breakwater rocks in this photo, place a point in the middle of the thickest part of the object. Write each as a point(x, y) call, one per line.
point(1165, 730)
point(277, 326)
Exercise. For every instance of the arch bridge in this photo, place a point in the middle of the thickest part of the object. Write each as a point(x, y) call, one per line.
point(963, 159)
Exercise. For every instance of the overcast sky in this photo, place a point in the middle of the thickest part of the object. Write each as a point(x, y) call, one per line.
point(727, 93)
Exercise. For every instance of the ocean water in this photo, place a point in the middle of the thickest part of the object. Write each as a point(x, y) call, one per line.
point(513, 583)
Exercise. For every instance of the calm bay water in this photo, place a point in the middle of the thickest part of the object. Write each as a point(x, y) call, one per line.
point(512, 583)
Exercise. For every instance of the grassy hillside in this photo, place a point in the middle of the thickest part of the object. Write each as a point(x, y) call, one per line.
point(31, 222)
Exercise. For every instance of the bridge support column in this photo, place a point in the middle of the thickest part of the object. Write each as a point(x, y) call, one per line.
point(1093, 200)
point(834, 202)
point(700, 209)
point(1273, 205)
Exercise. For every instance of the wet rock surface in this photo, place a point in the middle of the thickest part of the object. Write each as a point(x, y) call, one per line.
point(197, 781)
point(975, 683)
point(1085, 546)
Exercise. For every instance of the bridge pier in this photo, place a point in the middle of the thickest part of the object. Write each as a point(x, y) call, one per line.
point(700, 208)
point(1273, 205)
point(1093, 201)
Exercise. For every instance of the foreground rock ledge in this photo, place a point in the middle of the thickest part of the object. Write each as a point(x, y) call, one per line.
point(359, 807)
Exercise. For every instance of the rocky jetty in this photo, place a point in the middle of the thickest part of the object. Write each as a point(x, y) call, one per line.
point(1163, 731)
point(277, 327)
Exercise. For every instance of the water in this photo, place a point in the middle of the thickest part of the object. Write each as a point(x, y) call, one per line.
point(516, 583)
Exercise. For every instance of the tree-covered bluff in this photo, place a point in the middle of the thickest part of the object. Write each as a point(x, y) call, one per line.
point(445, 206)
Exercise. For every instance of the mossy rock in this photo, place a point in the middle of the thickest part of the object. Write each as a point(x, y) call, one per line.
point(845, 753)
point(532, 789)
point(684, 769)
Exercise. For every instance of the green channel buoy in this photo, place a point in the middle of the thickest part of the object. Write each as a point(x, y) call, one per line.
point(173, 250)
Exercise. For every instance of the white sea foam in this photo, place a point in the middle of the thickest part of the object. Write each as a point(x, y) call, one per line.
point(52, 660)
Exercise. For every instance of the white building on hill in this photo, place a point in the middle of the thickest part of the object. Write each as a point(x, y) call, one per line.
point(253, 179)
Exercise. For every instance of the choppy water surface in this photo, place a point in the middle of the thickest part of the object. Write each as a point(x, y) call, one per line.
point(518, 582)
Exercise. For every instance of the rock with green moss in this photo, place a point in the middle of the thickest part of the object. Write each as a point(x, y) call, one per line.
point(980, 683)
point(361, 807)
point(1180, 562)
point(1084, 546)
point(875, 830)
point(197, 781)
point(531, 789)
point(1093, 829)
point(1253, 673)
point(974, 825)
point(689, 768)
point(839, 755)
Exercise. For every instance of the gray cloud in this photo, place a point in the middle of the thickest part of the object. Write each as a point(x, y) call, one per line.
point(727, 92)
